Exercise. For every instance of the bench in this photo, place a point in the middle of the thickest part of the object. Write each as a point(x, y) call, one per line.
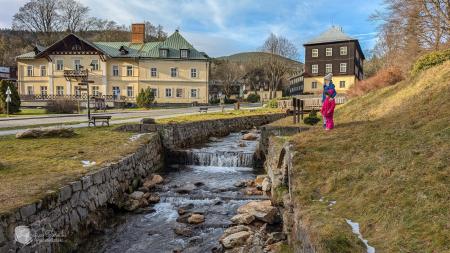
point(203, 109)
point(99, 118)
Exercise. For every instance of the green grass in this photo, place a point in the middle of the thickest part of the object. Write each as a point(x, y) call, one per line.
point(26, 112)
point(30, 167)
point(386, 164)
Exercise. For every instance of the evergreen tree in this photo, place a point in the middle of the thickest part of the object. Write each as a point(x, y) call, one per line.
point(145, 98)
point(14, 105)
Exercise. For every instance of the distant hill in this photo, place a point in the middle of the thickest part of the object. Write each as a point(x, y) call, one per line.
point(250, 56)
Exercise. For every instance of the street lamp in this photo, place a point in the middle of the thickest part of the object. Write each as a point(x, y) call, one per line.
point(85, 81)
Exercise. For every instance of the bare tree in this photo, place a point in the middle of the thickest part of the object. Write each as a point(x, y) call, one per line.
point(154, 33)
point(228, 73)
point(281, 46)
point(74, 16)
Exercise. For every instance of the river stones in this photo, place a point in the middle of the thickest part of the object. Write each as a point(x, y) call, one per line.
point(262, 210)
point(235, 229)
point(196, 218)
point(235, 239)
point(183, 231)
point(253, 191)
point(137, 195)
point(152, 181)
point(266, 185)
point(186, 189)
point(244, 218)
point(250, 137)
point(275, 237)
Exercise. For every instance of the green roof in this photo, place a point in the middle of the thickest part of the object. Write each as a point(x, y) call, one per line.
point(173, 44)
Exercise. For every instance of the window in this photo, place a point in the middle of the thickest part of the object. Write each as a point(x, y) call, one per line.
point(179, 93)
point(173, 72)
point(328, 68)
point(77, 91)
point(95, 91)
point(59, 90)
point(163, 53)
point(343, 67)
point(59, 65)
point(193, 93)
point(329, 51)
point(315, 69)
point(94, 65)
point(30, 90)
point(343, 50)
point(153, 72)
point(342, 84)
point(314, 85)
point(315, 53)
point(76, 64)
point(116, 91)
point(155, 92)
point(184, 53)
point(43, 70)
point(115, 70)
point(168, 92)
point(43, 90)
point(129, 70)
point(29, 70)
point(193, 73)
point(130, 91)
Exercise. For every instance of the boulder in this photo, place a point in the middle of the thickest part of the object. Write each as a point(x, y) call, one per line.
point(266, 185)
point(153, 198)
point(61, 132)
point(244, 218)
point(234, 229)
point(148, 121)
point(273, 248)
point(253, 191)
point(275, 237)
point(196, 218)
point(249, 137)
point(235, 240)
point(131, 205)
point(137, 195)
point(183, 231)
point(262, 210)
point(152, 181)
point(186, 189)
point(259, 180)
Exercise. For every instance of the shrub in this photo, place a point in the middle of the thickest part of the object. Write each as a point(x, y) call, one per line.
point(385, 77)
point(61, 106)
point(14, 105)
point(312, 118)
point(273, 103)
point(229, 101)
point(214, 101)
point(145, 98)
point(429, 60)
point(253, 98)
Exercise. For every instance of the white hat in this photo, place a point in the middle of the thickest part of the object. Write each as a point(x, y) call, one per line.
point(329, 76)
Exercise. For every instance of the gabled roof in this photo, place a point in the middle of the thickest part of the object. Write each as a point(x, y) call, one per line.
point(334, 34)
point(173, 43)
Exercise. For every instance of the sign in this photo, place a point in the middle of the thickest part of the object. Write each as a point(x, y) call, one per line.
point(8, 91)
point(8, 99)
point(4, 69)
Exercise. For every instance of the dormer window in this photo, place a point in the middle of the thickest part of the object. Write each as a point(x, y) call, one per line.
point(163, 52)
point(123, 51)
point(184, 53)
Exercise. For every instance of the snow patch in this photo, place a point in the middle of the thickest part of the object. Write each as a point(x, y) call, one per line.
point(332, 203)
point(136, 137)
point(87, 163)
point(355, 230)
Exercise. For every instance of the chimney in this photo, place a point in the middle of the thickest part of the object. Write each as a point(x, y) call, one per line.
point(137, 33)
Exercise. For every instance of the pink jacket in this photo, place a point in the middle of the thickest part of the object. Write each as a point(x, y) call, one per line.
point(328, 107)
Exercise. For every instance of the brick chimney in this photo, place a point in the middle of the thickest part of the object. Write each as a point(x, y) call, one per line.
point(137, 33)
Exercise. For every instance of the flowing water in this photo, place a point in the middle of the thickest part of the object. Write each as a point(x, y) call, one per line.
point(214, 169)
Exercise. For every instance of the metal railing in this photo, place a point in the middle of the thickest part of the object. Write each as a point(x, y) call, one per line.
point(108, 98)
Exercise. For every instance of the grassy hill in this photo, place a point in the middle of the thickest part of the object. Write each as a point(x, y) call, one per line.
point(255, 56)
point(387, 166)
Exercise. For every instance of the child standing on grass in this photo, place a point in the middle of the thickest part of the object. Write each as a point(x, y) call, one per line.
point(328, 109)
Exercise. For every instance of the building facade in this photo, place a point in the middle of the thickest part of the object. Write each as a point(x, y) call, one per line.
point(333, 52)
point(173, 69)
point(296, 85)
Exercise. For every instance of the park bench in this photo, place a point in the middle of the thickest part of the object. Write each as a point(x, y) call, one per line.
point(203, 109)
point(99, 118)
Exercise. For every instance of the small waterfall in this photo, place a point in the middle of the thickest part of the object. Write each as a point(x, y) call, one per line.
point(216, 158)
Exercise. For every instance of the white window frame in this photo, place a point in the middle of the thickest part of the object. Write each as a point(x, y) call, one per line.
point(96, 66)
point(328, 68)
point(343, 50)
point(194, 73)
point(314, 85)
point(30, 90)
point(95, 90)
point(171, 72)
point(168, 91)
point(114, 69)
point(30, 70)
point(342, 84)
point(329, 51)
point(315, 53)
point(194, 93)
point(43, 67)
point(184, 53)
point(315, 68)
point(130, 91)
point(59, 65)
point(75, 65)
point(44, 90)
point(343, 67)
point(130, 67)
point(58, 89)
point(153, 72)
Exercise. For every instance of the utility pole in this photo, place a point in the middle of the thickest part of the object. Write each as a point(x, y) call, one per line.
point(8, 100)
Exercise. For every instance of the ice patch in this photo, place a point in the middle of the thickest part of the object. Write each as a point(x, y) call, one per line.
point(355, 230)
point(332, 203)
point(87, 163)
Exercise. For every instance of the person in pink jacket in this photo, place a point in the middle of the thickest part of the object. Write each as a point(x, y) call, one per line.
point(328, 109)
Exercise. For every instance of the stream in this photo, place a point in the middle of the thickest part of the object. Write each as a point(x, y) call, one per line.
point(206, 175)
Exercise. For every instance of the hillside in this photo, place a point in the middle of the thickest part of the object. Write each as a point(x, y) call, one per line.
point(256, 56)
point(387, 166)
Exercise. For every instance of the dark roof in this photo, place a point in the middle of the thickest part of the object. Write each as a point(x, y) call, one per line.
point(334, 34)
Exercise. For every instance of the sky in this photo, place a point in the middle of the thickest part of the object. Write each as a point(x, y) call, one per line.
point(224, 27)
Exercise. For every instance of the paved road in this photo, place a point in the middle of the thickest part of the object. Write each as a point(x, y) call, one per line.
point(117, 118)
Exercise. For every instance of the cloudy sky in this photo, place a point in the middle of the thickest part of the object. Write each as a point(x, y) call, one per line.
point(223, 27)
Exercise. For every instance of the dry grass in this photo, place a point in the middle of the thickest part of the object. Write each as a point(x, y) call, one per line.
point(33, 166)
point(386, 164)
point(385, 77)
point(217, 115)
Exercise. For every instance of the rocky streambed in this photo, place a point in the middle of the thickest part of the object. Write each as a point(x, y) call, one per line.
point(210, 201)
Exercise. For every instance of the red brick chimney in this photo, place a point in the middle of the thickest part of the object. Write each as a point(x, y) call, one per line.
point(137, 33)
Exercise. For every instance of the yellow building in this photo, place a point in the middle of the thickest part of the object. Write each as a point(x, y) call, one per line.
point(173, 68)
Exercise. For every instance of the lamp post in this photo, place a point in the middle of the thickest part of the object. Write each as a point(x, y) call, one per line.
point(85, 81)
point(8, 100)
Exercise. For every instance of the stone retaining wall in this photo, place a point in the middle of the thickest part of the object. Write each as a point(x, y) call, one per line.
point(77, 207)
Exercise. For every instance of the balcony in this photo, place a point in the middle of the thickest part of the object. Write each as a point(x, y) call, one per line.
point(75, 74)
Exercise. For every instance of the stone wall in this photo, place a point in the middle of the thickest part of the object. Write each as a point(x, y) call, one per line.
point(76, 208)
